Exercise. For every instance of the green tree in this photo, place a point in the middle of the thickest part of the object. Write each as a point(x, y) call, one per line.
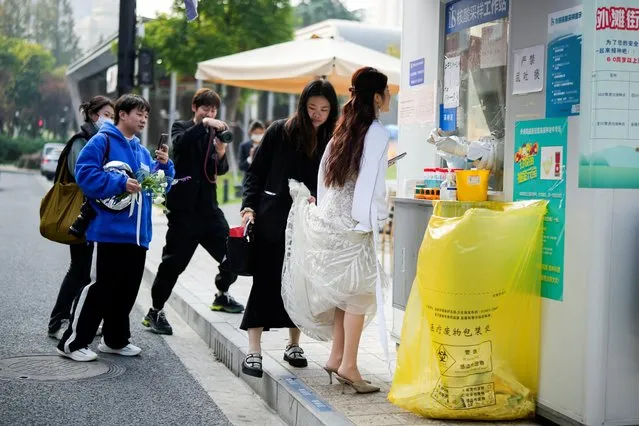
point(15, 18)
point(8, 65)
point(310, 12)
point(23, 69)
point(56, 102)
point(53, 27)
point(223, 27)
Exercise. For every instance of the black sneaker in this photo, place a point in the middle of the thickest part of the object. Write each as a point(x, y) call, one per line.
point(156, 321)
point(225, 303)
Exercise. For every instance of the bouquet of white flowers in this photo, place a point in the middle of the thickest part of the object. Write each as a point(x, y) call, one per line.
point(153, 184)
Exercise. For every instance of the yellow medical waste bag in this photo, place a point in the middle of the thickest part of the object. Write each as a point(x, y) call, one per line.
point(470, 340)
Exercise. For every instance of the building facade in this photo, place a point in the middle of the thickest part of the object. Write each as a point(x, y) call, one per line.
point(519, 70)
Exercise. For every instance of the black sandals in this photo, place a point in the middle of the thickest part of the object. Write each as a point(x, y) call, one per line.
point(294, 355)
point(252, 365)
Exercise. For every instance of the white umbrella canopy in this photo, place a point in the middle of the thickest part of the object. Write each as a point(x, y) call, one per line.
point(288, 67)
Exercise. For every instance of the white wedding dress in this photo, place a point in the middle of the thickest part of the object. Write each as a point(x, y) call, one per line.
point(327, 264)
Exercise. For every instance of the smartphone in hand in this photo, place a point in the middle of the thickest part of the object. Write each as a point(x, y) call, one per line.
point(395, 159)
point(164, 139)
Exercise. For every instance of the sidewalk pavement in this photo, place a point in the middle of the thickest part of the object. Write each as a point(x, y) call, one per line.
point(300, 396)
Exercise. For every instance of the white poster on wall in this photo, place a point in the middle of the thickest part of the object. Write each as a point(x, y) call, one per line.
point(494, 46)
point(417, 106)
point(610, 156)
point(529, 66)
point(452, 69)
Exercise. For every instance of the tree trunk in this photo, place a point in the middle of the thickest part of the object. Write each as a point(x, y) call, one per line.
point(231, 101)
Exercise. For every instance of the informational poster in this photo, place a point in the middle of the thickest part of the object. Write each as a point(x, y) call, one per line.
point(563, 85)
point(610, 158)
point(417, 69)
point(529, 70)
point(417, 106)
point(452, 70)
point(494, 46)
point(540, 174)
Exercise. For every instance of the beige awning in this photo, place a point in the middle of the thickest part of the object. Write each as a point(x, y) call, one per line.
point(288, 67)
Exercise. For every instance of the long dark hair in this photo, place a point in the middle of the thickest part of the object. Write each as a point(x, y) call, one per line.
point(343, 161)
point(300, 128)
point(94, 106)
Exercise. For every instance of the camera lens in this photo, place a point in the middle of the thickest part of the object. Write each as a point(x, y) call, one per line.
point(226, 136)
point(79, 227)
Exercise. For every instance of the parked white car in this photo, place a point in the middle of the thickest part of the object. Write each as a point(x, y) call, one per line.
point(49, 162)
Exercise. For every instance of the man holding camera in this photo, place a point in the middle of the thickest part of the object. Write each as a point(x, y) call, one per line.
point(194, 215)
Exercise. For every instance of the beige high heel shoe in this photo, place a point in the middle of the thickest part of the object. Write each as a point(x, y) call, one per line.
point(330, 373)
point(360, 386)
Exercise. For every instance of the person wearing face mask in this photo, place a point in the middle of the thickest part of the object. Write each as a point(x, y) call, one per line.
point(248, 148)
point(106, 170)
point(291, 149)
point(96, 112)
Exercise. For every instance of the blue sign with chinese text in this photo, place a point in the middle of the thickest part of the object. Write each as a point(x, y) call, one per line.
point(563, 84)
point(299, 387)
point(447, 118)
point(464, 14)
point(417, 70)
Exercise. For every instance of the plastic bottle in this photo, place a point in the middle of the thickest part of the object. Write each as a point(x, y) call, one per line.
point(448, 190)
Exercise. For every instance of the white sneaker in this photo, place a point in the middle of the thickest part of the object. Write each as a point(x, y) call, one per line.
point(81, 355)
point(128, 350)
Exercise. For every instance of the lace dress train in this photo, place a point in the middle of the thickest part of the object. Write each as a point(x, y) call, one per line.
point(327, 265)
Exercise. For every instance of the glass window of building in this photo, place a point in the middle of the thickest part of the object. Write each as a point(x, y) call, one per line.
point(475, 73)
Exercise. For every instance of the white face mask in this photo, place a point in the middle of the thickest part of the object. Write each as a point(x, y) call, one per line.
point(102, 120)
point(256, 137)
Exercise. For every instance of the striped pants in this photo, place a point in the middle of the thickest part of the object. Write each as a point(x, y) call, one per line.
point(119, 270)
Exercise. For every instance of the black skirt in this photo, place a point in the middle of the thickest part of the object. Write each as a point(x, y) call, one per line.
point(265, 307)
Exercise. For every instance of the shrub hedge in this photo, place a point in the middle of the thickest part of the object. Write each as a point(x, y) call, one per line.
point(11, 150)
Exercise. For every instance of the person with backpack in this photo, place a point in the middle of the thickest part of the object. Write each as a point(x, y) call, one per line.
point(96, 112)
point(107, 171)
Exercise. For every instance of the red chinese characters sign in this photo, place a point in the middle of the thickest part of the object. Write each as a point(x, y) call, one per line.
point(617, 18)
point(617, 34)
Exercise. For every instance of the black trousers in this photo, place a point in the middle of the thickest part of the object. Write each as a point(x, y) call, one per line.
point(78, 276)
point(119, 269)
point(186, 232)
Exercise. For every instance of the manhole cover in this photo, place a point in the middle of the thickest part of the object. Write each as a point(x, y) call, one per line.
point(53, 368)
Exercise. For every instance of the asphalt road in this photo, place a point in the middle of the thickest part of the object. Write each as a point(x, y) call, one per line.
point(153, 389)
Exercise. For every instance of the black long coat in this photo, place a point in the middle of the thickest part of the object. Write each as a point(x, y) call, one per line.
point(266, 192)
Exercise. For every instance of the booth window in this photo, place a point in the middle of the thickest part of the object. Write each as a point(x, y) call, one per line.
point(475, 73)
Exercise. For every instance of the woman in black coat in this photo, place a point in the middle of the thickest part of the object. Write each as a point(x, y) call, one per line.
point(290, 149)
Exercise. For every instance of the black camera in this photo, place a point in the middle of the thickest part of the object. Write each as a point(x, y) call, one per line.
point(225, 136)
point(87, 213)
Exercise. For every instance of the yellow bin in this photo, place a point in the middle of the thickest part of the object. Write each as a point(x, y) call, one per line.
point(472, 185)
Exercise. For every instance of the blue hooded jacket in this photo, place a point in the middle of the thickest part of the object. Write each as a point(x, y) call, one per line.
point(95, 183)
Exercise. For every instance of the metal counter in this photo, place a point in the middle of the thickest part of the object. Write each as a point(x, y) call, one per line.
point(410, 220)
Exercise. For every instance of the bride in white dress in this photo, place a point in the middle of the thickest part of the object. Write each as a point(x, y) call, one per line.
point(332, 281)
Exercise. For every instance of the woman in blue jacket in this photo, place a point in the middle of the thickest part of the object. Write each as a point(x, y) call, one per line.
point(122, 237)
